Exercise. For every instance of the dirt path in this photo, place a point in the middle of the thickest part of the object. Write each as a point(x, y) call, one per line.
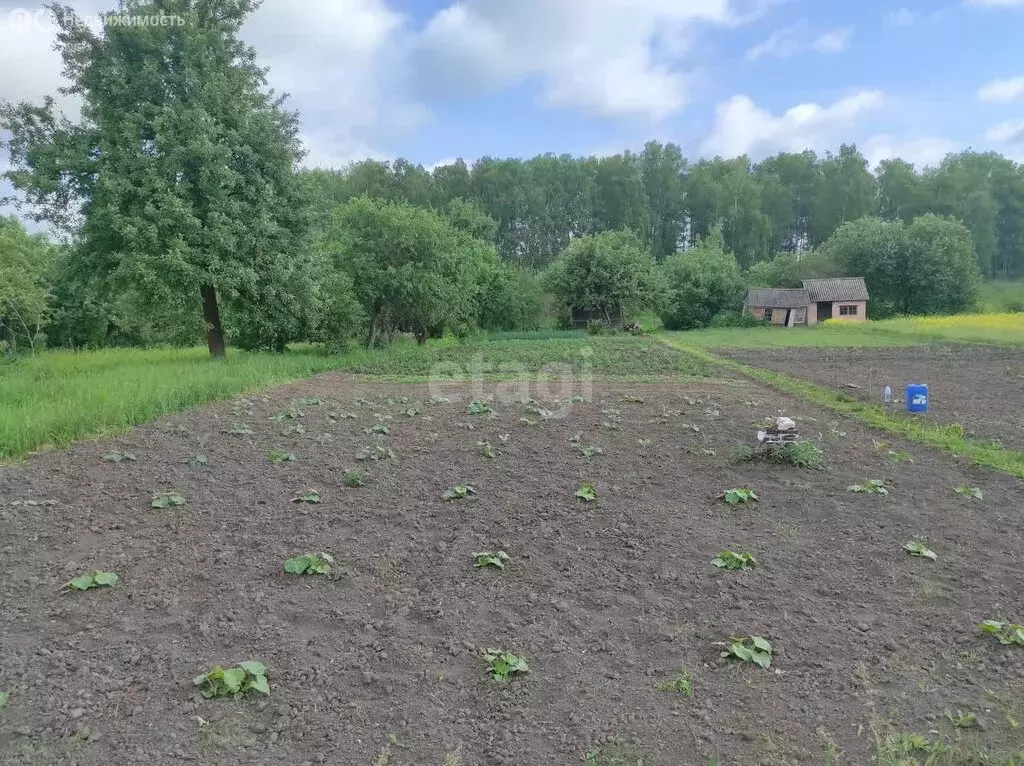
point(605, 600)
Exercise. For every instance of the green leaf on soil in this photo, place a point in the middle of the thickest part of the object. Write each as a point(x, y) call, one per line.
point(90, 580)
point(738, 496)
point(309, 564)
point(171, 499)
point(310, 496)
point(280, 456)
point(918, 548)
point(587, 493)
point(490, 559)
point(750, 649)
point(459, 492)
point(972, 492)
point(734, 561)
point(118, 457)
point(502, 665)
point(870, 487)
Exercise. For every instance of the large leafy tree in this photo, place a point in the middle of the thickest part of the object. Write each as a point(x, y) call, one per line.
point(925, 267)
point(604, 272)
point(412, 270)
point(702, 282)
point(178, 180)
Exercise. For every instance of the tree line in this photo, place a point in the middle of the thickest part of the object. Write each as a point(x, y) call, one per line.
point(185, 214)
point(787, 203)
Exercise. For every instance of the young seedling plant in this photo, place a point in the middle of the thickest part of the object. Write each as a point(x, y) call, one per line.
point(870, 487)
point(960, 719)
point(378, 452)
point(118, 457)
point(750, 649)
point(280, 456)
point(739, 496)
point(490, 559)
point(170, 499)
point(502, 665)
point(90, 580)
point(309, 496)
point(309, 564)
point(485, 449)
point(353, 479)
point(919, 549)
point(459, 492)
point(480, 407)
point(238, 429)
point(589, 450)
point(587, 493)
point(974, 493)
point(1007, 633)
point(233, 682)
point(738, 562)
point(681, 684)
point(287, 413)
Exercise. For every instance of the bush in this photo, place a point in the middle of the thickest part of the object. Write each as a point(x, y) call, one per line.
point(702, 283)
point(736, 319)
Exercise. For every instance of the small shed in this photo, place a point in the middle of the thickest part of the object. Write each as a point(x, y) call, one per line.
point(844, 298)
point(783, 307)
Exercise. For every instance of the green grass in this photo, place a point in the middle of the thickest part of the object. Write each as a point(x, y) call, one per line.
point(950, 438)
point(56, 397)
point(1002, 295)
point(995, 329)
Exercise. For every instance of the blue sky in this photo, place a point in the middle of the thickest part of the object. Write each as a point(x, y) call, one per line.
point(432, 80)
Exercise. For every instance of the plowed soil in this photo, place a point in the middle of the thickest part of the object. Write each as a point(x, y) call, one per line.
point(979, 387)
point(381, 663)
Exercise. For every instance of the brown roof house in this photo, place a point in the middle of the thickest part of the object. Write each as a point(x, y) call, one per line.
point(842, 298)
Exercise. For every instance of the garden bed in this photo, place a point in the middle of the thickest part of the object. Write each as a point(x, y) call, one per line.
point(979, 387)
point(380, 663)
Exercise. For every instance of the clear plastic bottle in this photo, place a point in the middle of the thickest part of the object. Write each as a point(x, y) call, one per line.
point(887, 394)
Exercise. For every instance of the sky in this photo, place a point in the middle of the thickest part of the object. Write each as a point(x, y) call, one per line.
point(433, 80)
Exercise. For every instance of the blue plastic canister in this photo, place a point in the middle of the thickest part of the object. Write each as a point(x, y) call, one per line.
point(917, 397)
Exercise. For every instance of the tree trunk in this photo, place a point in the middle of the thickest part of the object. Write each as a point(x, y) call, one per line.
point(211, 315)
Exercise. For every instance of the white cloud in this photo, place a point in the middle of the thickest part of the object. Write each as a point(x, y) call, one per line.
point(836, 41)
point(996, 3)
point(741, 127)
point(1003, 90)
point(905, 17)
point(799, 38)
point(619, 58)
point(1008, 132)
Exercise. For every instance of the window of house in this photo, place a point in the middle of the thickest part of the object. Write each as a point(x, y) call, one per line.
point(767, 315)
point(848, 311)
